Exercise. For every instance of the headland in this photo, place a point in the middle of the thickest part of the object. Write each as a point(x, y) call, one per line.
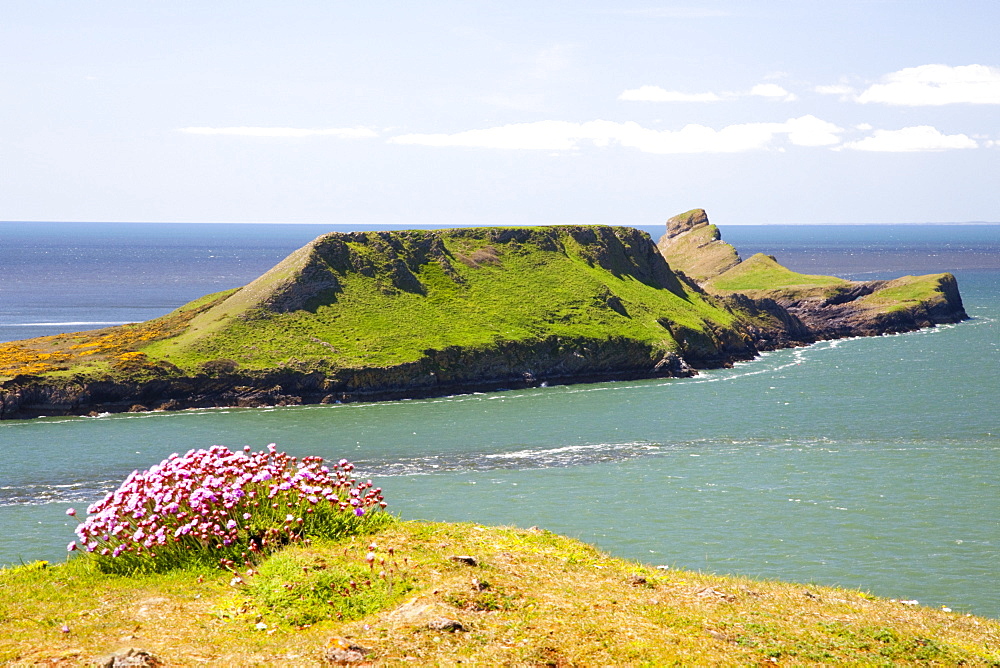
point(369, 316)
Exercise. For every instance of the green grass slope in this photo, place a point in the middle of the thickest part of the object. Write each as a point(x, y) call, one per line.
point(762, 275)
point(379, 299)
point(909, 292)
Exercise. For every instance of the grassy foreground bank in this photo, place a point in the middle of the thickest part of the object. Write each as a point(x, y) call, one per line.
point(421, 593)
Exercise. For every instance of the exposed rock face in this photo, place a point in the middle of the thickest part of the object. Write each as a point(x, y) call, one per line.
point(694, 246)
point(685, 222)
point(844, 314)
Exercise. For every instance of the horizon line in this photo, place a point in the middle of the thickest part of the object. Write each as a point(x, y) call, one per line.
point(453, 225)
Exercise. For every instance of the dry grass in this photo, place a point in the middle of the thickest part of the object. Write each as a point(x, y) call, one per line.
point(532, 599)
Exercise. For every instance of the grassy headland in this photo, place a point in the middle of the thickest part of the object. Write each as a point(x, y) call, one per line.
point(529, 597)
point(379, 299)
point(372, 315)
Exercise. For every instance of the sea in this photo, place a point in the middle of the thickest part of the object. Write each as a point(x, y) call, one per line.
point(870, 464)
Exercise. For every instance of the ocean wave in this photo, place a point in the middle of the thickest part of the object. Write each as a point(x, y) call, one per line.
point(527, 458)
point(36, 494)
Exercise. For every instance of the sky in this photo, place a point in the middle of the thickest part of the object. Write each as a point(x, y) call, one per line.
point(425, 113)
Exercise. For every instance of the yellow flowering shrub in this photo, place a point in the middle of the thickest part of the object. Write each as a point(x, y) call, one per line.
point(19, 359)
point(118, 345)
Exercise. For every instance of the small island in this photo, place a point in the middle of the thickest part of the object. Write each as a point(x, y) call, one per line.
point(368, 316)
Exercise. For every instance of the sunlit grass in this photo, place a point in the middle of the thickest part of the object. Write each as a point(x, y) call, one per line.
point(523, 293)
point(531, 598)
point(904, 292)
point(762, 272)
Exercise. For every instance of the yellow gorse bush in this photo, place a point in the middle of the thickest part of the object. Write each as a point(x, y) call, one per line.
point(18, 359)
point(60, 351)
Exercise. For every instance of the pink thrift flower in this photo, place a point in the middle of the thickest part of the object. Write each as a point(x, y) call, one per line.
point(71, 512)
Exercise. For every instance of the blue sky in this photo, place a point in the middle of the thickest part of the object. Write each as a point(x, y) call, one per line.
point(779, 111)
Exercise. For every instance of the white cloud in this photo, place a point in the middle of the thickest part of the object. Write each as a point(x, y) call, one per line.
point(340, 133)
point(810, 131)
point(912, 139)
point(773, 91)
point(564, 135)
point(932, 85)
point(548, 135)
point(845, 92)
point(657, 94)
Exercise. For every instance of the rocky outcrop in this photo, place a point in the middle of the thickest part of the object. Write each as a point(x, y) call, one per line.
point(797, 308)
point(845, 313)
point(694, 246)
point(685, 222)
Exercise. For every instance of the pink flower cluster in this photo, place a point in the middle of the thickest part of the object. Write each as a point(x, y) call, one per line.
point(226, 503)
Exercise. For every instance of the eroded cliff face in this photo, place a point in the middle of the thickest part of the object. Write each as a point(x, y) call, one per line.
point(315, 276)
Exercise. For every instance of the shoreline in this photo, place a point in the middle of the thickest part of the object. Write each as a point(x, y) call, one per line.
point(24, 398)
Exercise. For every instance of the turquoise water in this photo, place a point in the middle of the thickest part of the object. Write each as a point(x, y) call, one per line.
point(864, 463)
